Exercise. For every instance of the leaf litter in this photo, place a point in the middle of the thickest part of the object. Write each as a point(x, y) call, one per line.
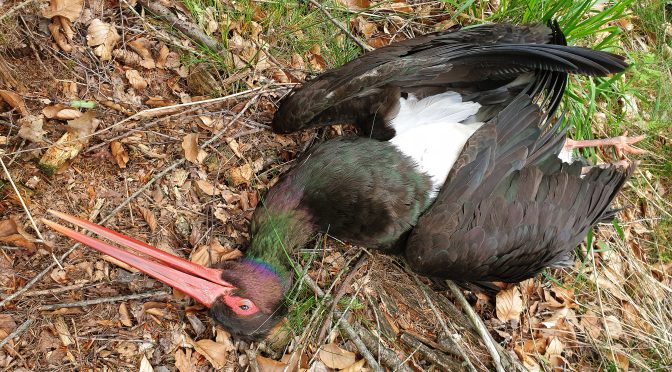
point(545, 323)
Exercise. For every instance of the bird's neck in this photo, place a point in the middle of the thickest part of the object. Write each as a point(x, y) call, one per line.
point(276, 233)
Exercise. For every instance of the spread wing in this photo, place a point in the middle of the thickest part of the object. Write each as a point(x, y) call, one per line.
point(490, 64)
point(509, 207)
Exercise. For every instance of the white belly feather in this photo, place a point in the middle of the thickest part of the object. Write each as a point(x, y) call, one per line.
point(429, 131)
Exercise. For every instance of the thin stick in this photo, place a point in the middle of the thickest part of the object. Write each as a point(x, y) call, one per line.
point(478, 324)
point(17, 332)
point(54, 290)
point(354, 337)
point(387, 356)
point(185, 27)
point(15, 8)
point(454, 345)
point(366, 47)
point(25, 209)
point(103, 300)
point(440, 359)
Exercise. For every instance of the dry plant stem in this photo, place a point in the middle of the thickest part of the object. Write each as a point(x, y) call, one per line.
point(366, 47)
point(354, 337)
point(25, 208)
point(454, 345)
point(186, 27)
point(434, 356)
point(15, 8)
point(55, 290)
point(17, 332)
point(480, 327)
point(387, 356)
point(96, 301)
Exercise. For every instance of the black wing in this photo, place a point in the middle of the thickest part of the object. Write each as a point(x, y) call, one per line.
point(490, 64)
point(509, 207)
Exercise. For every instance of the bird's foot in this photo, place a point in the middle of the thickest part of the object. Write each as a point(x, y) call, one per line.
point(622, 144)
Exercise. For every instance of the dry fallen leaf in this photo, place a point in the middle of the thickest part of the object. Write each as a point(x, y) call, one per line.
point(614, 327)
point(356, 367)
point(355, 4)
point(206, 187)
point(31, 128)
point(192, 152)
point(70, 9)
point(136, 81)
point(335, 357)
point(215, 352)
point(119, 153)
point(8, 227)
point(141, 47)
point(145, 366)
point(529, 362)
point(270, 365)
point(103, 36)
point(241, 175)
point(63, 332)
point(149, 217)
point(60, 111)
point(591, 324)
point(125, 316)
point(509, 304)
point(15, 101)
point(183, 361)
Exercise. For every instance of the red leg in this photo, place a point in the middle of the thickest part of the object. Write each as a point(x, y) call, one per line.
point(622, 144)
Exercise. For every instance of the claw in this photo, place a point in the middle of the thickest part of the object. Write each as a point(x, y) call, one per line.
point(622, 144)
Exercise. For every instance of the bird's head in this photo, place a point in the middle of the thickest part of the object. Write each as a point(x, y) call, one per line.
point(246, 296)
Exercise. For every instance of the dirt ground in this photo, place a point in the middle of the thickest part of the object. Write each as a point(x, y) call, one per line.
point(105, 113)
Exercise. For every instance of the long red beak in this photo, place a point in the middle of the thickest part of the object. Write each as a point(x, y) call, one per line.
point(203, 284)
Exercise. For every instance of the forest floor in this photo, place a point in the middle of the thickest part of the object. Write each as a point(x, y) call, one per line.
point(152, 118)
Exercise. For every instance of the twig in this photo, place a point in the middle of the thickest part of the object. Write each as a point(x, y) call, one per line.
point(103, 300)
point(186, 27)
point(480, 327)
point(17, 332)
point(434, 356)
point(15, 8)
point(387, 356)
point(454, 345)
point(354, 337)
point(366, 47)
point(55, 290)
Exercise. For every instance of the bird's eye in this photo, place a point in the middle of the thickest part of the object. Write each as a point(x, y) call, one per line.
point(244, 307)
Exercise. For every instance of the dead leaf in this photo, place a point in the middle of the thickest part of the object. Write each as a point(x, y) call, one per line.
point(31, 128)
point(183, 361)
point(192, 152)
point(335, 357)
point(509, 304)
point(614, 327)
point(8, 227)
point(241, 175)
point(141, 47)
point(61, 112)
point(84, 125)
point(103, 36)
point(136, 81)
point(355, 4)
point(59, 34)
point(149, 217)
point(356, 367)
point(163, 56)
point(70, 9)
point(15, 101)
point(125, 316)
point(59, 276)
point(119, 153)
point(145, 366)
point(270, 365)
point(206, 187)
point(215, 352)
point(591, 324)
point(63, 332)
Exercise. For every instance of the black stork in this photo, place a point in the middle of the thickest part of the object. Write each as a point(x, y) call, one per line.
point(458, 167)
